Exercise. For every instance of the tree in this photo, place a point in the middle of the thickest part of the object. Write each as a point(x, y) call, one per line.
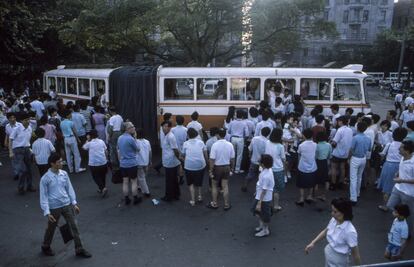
point(281, 25)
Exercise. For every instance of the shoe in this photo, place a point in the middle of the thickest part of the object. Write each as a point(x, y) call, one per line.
point(83, 253)
point(48, 251)
point(241, 171)
point(16, 177)
point(147, 195)
point(127, 201)
point(192, 203)
point(104, 192)
point(137, 200)
point(309, 200)
point(210, 206)
point(263, 233)
point(227, 208)
point(300, 203)
point(258, 229)
point(81, 170)
point(166, 199)
point(277, 209)
point(236, 172)
point(354, 203)
point(383, 208)
point(31, 189)
point(20, 191)
point(244, 189)
point(199, 199)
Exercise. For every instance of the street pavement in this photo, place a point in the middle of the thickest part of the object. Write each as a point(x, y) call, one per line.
point(176, 234)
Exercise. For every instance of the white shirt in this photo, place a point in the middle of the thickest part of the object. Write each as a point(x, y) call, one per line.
point(222, 152)
point(210, 142)
point(343, 140)
point(42, 148)
point(409, 100)
point(193, 151)
point(392, 152)
point(38, 107)
point(266, 182)
point(287, 135)
point(406, 172)
point(169, 143)
point(251, 126)
point(398, 98)
point(334, 118)
point(277, 151)
point(116, 122)
point(341, 237)
point(96, 148)
point(406, 116)
point(238, 128)
point(9, 127)
point(196, 126)
point(384, 137)
point(21, 136)
point(307, 151)
point(371, 135)
point(394, 125)
point(180, 133)
point(144, 152)
point(257, 147)
point(262, 125)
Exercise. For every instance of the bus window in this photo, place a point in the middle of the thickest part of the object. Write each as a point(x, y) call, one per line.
point(278, 86)
point(245, 89)
point(61, 85)
point(315, 89)
point(211, 88)
point(98, 85)
point(347, 90)
point(179, 89)
point(51, 83)
point(84, 88)
point(72, 86)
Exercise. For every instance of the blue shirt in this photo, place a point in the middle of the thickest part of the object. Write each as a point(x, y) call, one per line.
point(399, 230)
point(56, 191)
point(80, 123)
point(323, 150)
point(128, 150)
point(66, 127)
point(361, 145)
point(410, 137)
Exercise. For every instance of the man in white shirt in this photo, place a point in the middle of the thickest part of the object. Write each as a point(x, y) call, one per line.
point(403, 191)
point(409, 100)
point(266, 122)
point(19, 147)
point(114, 132)
point(238, 131)
point(38, 107)
point(221, 166)
point(398, 103)
point(335, 113)
point(11, 117)
point(196, 125)
point(407, 115)
point(257, 148)
point(391, 117)
point(170, 161)
point(42, 149)
point(342, 144)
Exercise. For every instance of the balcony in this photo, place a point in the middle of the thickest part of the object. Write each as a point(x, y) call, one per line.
point(355, 21)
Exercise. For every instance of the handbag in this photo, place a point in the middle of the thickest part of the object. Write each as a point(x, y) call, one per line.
point(117, 177)
point(66, 233)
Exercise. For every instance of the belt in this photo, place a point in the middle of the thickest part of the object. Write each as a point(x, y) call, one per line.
point(236, 136)
point(68, 136)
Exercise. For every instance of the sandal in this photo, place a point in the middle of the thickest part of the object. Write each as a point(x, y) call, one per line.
point(227, 208)
point(300, 203)
point(309, 200)
point(383, 208)
point(199, 199)
point(323, 199)
point(192, 203)
point(210, 206)
point(277, 209)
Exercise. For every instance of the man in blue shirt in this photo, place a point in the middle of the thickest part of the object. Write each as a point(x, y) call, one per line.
point(71, 142)
point(361, 145)
point(79, 122)
point(57, 198)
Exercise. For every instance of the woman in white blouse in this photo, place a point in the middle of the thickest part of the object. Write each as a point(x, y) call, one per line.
point(341, 235)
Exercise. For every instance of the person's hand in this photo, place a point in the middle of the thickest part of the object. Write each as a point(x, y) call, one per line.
point(398, 180)
point(258, 207)
point(88, 137)
point(79, 141)
point(51, 218)
point(77, 209)
point(11, 154)
point(211, 174)
point(309, 247)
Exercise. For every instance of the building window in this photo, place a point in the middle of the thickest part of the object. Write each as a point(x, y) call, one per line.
point(365, 16)
point(347, 90)
point(179, 89)
point(326, 15)
point(315, 89)
point(84, 87)
point(383, 15)
point(344, 34)
point(51, 83)
point(357, 14)
point(305, 51)
point(384, 2)
point(345, 18)
point(346, 2)
point(245, 89)
point(278, 86)
point(364, 34)
point(323, 51)
point(357, 1)
point(327, 3)
point(98, 85)
point(211, 88)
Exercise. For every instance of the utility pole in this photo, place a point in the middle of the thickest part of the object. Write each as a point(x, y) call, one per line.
point(400, 64)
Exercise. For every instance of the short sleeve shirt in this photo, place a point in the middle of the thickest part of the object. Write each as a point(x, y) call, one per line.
point(343, 140)
point(97, 155)
point(257, 147)
point(266, 182)
point(341, 237)
point(169, 143)
point(222, 152)
point(307, 151)
point(193, 150)
point(399, 230)
point(277, 152)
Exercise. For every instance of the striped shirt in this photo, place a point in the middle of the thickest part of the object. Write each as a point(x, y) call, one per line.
point(42, 148)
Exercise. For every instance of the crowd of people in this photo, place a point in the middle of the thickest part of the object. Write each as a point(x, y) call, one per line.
point(269, 145)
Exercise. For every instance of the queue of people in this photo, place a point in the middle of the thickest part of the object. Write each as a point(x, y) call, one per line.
point(270, 145)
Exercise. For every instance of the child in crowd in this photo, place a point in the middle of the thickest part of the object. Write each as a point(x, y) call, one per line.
point(144, 157)
point(397, 237)
point(287, 139)
point(262, 205)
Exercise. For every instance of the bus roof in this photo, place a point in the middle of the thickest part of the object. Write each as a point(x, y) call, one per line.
point(86, 73)
point(258, 72)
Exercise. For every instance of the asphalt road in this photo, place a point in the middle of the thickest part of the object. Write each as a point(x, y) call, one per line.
point(179, 235)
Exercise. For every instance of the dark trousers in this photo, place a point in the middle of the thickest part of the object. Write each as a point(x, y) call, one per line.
point(99, 175)
point(83, 153)
point(172, 188)
point(23, 159)
point(69, 214)
point(113, 153)
point(42, 169)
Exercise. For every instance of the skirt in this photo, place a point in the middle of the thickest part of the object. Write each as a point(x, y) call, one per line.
point(306, 180)
point(279, 181)
point(322, 174)
point(386, 181)
point(335, 259)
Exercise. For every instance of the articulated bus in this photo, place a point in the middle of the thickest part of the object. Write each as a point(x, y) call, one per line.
point(149, 92)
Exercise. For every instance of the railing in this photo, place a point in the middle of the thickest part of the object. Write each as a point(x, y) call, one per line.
point(391, 264)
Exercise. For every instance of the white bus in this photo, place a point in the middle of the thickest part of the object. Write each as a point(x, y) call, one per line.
point(209, 91)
